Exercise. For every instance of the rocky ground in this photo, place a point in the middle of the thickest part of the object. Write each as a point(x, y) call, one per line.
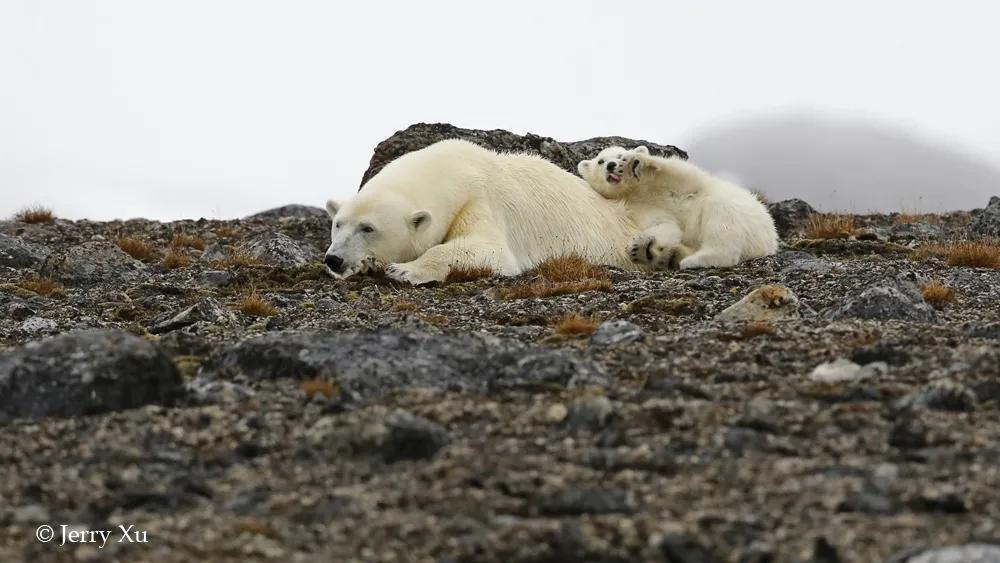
point(810, 406)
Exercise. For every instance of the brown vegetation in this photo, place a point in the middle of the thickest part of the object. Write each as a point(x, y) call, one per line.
point(190, 241)
point(42, 286)
point(543, 288)
point(175, 258)
point(558, 276)
point(405, 306)
point(254, 306)
point(317, 386)
point(937, 293)
point(906, 218)
point(756, 328)
point(575, 324)
point(35, 214)
point(824, 225)
point(238, 258)
point(136, 247)
point(976, 254)
point(571, 267)
point(467, 274)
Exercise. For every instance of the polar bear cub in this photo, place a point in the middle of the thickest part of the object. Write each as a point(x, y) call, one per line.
point(690, 219)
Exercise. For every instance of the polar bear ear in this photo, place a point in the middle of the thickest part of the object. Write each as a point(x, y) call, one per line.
point(332, 207)
point(420, 220)
point(641, 149)
point(583, 167)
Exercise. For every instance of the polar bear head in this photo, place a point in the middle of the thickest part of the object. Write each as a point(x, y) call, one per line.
point(609, 172)
point(368, 233)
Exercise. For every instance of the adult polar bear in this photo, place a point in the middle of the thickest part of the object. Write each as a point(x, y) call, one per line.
point(455, 204)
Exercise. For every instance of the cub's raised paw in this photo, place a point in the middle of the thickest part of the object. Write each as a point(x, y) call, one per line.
point(641, 249)
point(409, 274)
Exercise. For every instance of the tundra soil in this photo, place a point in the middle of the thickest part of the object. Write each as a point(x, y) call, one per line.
point(265, 411)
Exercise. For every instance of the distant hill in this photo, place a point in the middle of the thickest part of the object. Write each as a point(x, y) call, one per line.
point(839, 164)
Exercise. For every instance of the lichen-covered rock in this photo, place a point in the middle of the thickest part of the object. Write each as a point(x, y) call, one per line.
point(92, 263)
point(16, 253)
point(790, 216)
point(84, 372)
point(206, 310)
point(278, 249)
point(915, 231)
point(566, 155)
point(766, 303)
point(976, 552)
point(617, 332)
point(883, 303)
point(295, 211)
point(986, 223)
point(371, 364)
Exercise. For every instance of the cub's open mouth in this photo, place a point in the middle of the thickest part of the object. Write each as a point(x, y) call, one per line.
point(613, 178)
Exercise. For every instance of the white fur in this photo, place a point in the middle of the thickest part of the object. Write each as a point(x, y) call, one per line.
point(456, 204)
point(689, 217)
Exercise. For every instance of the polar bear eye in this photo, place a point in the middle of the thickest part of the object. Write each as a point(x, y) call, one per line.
point(600, 161)
point(338, 225)
point(367, 229)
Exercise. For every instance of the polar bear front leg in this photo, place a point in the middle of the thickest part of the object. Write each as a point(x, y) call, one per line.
point(435, 264)
point(659, 246)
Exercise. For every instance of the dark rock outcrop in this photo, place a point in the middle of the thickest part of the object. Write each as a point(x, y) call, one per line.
point(791, 216)
point(16, 253)
point(84, 372)
point(566, 155)
point(278, 249)
point(91, 263)
point(986, 223)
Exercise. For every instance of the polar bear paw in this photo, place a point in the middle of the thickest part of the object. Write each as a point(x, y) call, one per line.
point(411, 274)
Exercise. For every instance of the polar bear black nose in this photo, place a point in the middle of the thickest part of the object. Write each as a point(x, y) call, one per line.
point(611, 166)
point(334, 262)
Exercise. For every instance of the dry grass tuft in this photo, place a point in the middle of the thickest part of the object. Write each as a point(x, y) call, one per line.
point(174, 259)
point(325, 387)
point(976, 254)
point(254, 306)
point(823, 225)
point(42, 286)
point(436, 320)
point(405, 306)
point(252, 526)
point(467, 274)
point(756, 328)
point(238, 258)
point(544, 288)
point(136, 247)
point(760, 197)
point(228, 233)
point(937, 293)
point(574, 324)
point(35, 214)
point(190, 241)
point(907, 218)
point(568, 268)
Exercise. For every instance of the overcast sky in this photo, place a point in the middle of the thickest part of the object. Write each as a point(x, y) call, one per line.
point(127, 108)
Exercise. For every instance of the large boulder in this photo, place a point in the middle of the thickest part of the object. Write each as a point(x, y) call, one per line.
point(294, 210)
point(790, 216)
point(895, 300)
point(564, 154)
point(84, 372)
point(16, 253)
point(986, 223)
point(278, 249)
point(92, 263)
point(368, 364)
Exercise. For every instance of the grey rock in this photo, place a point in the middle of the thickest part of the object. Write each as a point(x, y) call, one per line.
point(812, 266)
point(15, 308)
point(986, 223)
point(93, 262)
point(31, 514)
point(867, 502)
point(85, 372)
point(215, 278)
point(566, 155)
point(205, 390)
point(588, 500)
point(38, 325)
point(206, 310)
point(941, 396)
point(278, 249)
point(212, 253)
point(915, 231)
point(590, 414)
point(681, 548)
point(370, 364)
point(882, 304)
point(293, 210)
point(16, 253)
point(617, 332)
point(411, 437)
point(790, 216)
point(982, 330)
point(968, 553)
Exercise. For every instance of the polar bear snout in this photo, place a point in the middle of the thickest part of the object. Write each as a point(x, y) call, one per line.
point(335, 263)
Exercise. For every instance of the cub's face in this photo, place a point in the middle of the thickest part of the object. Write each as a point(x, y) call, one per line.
point(367, 235)
point(609, 172)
